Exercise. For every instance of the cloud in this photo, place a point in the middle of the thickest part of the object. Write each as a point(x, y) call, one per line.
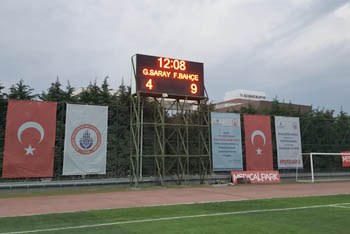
point(307, 42)
point(269, 45)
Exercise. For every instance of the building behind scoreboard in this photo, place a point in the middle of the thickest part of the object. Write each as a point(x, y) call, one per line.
point(237, 99)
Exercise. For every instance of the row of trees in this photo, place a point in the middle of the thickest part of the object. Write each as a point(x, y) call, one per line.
point(321, 130)
point(93, 94)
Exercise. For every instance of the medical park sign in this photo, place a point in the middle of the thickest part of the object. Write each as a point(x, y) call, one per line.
point(256, 177)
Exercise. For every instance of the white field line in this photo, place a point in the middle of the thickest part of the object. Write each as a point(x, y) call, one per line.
point(175, 218)
point(339, 206)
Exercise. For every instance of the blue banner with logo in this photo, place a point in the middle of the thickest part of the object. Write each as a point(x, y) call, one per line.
point(226, 141)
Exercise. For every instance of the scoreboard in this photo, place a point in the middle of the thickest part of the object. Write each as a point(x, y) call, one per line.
point(177, 78)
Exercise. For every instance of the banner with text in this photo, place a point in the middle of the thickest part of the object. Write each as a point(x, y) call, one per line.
point(29, 139)
point(226, 141)
point(288, 142)
point(258, 143)
point(85, 146)
point(256, 177)
point(346, 159)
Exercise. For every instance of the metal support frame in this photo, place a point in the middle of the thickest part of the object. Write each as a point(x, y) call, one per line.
point(170, 139)
point(134, 139)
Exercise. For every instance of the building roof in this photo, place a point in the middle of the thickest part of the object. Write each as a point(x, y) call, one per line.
point(259, 105)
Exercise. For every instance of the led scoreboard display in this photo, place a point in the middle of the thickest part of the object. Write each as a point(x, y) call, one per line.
point(156, 76)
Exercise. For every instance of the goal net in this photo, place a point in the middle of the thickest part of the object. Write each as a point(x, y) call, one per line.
point(323, 167)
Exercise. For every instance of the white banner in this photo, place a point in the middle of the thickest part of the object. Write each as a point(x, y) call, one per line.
point(85, 146)
point(288, 142)
point(226, 141)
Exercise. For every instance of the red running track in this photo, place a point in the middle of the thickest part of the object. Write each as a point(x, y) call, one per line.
point(162, 196)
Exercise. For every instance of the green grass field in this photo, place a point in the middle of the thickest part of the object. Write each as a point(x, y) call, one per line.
point(327, 214)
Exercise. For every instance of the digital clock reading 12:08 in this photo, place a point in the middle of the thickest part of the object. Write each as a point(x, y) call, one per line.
point(175, 77)
point(172, 63)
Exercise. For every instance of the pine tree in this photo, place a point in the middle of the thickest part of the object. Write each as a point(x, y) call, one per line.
point(54, 93)
point(91, 94)
point(106, 97)
point(96, 95)
point(20, 91)
point(124, 94)
point(2, 94)
point(69, 97)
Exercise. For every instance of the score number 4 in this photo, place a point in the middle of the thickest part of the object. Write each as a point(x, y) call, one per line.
point(149, 84)
point(193, 87)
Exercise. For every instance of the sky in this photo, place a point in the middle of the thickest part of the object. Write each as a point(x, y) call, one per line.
point(294, 50)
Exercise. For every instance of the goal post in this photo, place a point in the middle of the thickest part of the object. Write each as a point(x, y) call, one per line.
point(320, 166)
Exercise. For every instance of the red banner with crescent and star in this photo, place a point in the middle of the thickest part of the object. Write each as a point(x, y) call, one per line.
point(258, 143)
point(29, 139)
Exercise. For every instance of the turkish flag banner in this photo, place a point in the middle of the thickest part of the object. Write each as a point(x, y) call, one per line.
point(29, 139)
point(346, 159)
point(258, 143)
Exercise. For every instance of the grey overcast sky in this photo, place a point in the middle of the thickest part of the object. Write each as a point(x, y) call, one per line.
point(295, 50)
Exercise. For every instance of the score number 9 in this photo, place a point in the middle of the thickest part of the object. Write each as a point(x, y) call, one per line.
point(194, 88)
